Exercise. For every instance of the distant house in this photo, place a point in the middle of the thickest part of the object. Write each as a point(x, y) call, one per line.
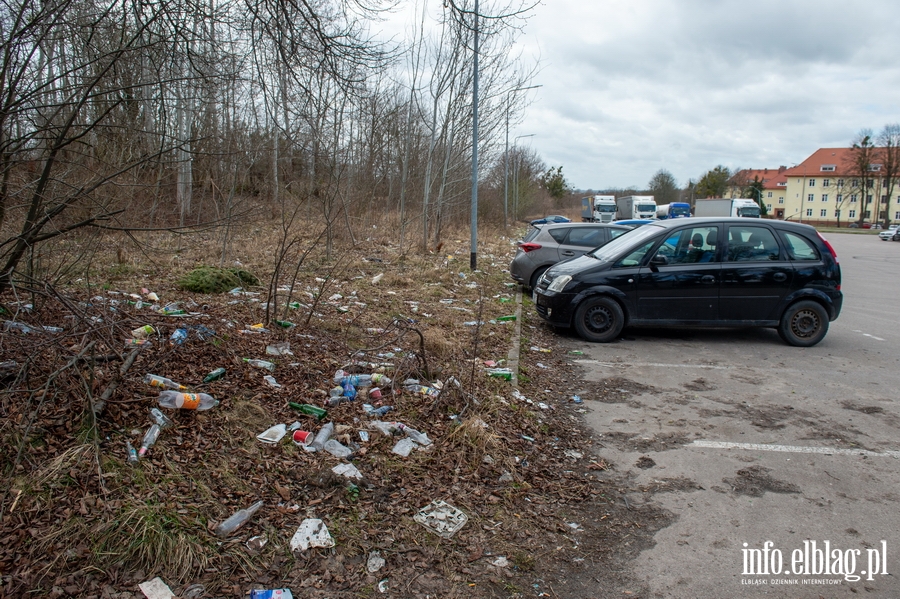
point(774, 187)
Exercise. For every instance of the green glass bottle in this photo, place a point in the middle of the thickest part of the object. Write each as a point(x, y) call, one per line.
point(214, 375)
point(309, 410)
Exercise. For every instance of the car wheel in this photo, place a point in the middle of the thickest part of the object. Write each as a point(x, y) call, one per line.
point(536, 276)
point(804, 324)
point(599, 319)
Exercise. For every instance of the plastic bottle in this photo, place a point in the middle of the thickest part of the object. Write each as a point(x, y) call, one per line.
point(178, 337)
point(309, 410)
point(187, 401)
point(423, 390)
point(159, 418)
point(373, 411)
point(214, 375)
point(333, 402)
point(142, 332)
point(260, 364)
point(349, 390)
point(236, 520)
point(360, 380)
point(284, 324)
point(132, 454)
point(154, 380)
point(420, 438)
point(149, 439)
point(322, 436)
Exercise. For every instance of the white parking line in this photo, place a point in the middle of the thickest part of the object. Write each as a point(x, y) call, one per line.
point(655, 364)
point(868, 335)
point(794, 449)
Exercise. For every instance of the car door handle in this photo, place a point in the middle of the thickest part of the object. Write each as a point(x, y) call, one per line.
point(707, 279)
point(779, 276)
point(568, 253)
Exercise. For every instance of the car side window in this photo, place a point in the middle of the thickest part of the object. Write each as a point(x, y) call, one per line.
point(586, 236)
point(635, 257)
point(751, 244)
point(559, 234)
point(690, 245)
point(799, 248)
point(613, 233)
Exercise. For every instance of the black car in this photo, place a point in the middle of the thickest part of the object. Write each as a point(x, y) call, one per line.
point(719, 272)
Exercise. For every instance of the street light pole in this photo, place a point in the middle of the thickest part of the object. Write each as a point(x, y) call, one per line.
point(516, 177)
point(506, 157)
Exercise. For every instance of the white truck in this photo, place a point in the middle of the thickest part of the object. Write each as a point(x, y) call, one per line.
point(635, 207)
point(743, 207)
point(598, 209)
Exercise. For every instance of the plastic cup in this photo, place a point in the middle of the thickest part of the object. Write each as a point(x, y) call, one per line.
point(301, 437)
point(375, 393)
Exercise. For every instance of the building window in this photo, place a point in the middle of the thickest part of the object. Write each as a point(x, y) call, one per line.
point(897, 215)
point(874, 167)
point(812, 182)
point(769, 195)
point(884, 199)
point(852, 214)
point(837, 213)
point(839, 198)
point(810, 197)
point(824, 197)
point(823, 212)
point(854, 182)
point(882, 215)
point(809, 212)
point(868, 214)
point(853, 198)
point(869, 198)
point(827, 168)
point(768, 207)
point(826, 182)
point(840, 183)
point(870, 183)
point(781, 200)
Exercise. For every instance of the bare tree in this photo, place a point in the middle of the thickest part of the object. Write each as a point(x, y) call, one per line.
point(862, 155)
point(889, 153)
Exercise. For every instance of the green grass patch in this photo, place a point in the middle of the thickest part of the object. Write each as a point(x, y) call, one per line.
point(209, 279)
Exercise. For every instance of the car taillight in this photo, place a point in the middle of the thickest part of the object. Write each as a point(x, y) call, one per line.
point(830, 249)
point(529, 247)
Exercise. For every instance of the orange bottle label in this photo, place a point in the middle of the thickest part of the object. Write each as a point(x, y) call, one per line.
point(188, 401)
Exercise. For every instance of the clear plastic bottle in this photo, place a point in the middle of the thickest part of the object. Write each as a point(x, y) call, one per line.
point(159, 418)
point(322, 436)
point(260, 364)
point(420, 438)
point(154, 380)
point(187, 401)
point(360, 380)
point(236, 520)
point(142, 332)
point(178, 337)
point(132, 454)
point(149, 439)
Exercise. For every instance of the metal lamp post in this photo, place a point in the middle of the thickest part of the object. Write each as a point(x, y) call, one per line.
point(516, 177)
point(506, 156)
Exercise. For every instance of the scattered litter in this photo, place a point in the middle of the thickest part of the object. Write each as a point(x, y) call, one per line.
point(375, 280)
point(347, 471)
point(271, 594)
point(375, 562)
point(270, 380)
point(156, 589)
point(260, 364)
point(539, 365)
point(543, 406)
point(577, 399)
point(573, 525)
point(236, 520)
point(256, 543)
point(404, 447)
point(383, 586)
point(311, 533)
point(194, 591)
point(540, 349)
point(364, 436)
point(337, 449)
point(500, 562)
point(571, 453)
point(500, 373)
point(508, 318)
point(300, 437)
point(506, 477)
point(441, 518)
point(274, 434)
point(279, 349)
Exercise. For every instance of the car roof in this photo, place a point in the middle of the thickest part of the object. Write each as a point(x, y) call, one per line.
point(559, 225)
point(731, 220)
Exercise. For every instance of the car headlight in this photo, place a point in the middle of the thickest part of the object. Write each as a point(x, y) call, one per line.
point(559, 283)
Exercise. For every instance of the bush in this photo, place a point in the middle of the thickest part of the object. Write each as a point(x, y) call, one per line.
point(209, 279)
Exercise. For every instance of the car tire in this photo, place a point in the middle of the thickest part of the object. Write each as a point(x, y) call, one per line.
point(599, 319)
point(536, 276)
point(803, 324)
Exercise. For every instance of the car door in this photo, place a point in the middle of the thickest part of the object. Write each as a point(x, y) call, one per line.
point(756, 274)
point(581, 239)
point(686, 288)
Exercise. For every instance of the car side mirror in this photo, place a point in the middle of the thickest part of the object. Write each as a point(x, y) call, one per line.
point(658, 260)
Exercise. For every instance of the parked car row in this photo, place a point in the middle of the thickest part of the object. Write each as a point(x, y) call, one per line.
point(890, 234)
point(708, 272)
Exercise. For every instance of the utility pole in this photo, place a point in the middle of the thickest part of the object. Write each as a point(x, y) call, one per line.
point(506, 157)
point(473, 250)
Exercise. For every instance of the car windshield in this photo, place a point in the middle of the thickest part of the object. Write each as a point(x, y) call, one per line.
point(604, 208)
point(749, 211)
point(632, 238)
point(647, 208)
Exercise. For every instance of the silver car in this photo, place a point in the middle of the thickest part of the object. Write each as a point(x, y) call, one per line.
point(545, 245)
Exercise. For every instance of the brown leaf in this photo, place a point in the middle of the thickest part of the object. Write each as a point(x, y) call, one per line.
point(283, 491)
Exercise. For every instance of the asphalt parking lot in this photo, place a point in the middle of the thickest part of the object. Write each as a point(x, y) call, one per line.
point(746, 441)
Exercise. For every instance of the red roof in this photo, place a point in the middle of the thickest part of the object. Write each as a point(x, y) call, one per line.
point(835, 161)
point(770, 177)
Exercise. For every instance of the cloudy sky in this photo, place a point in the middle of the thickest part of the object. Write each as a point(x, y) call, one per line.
point(633, 86)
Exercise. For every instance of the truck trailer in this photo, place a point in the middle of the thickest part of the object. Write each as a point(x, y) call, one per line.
point(673, 210)
point(598, 209)
point(635, 207)
point(742, 207)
